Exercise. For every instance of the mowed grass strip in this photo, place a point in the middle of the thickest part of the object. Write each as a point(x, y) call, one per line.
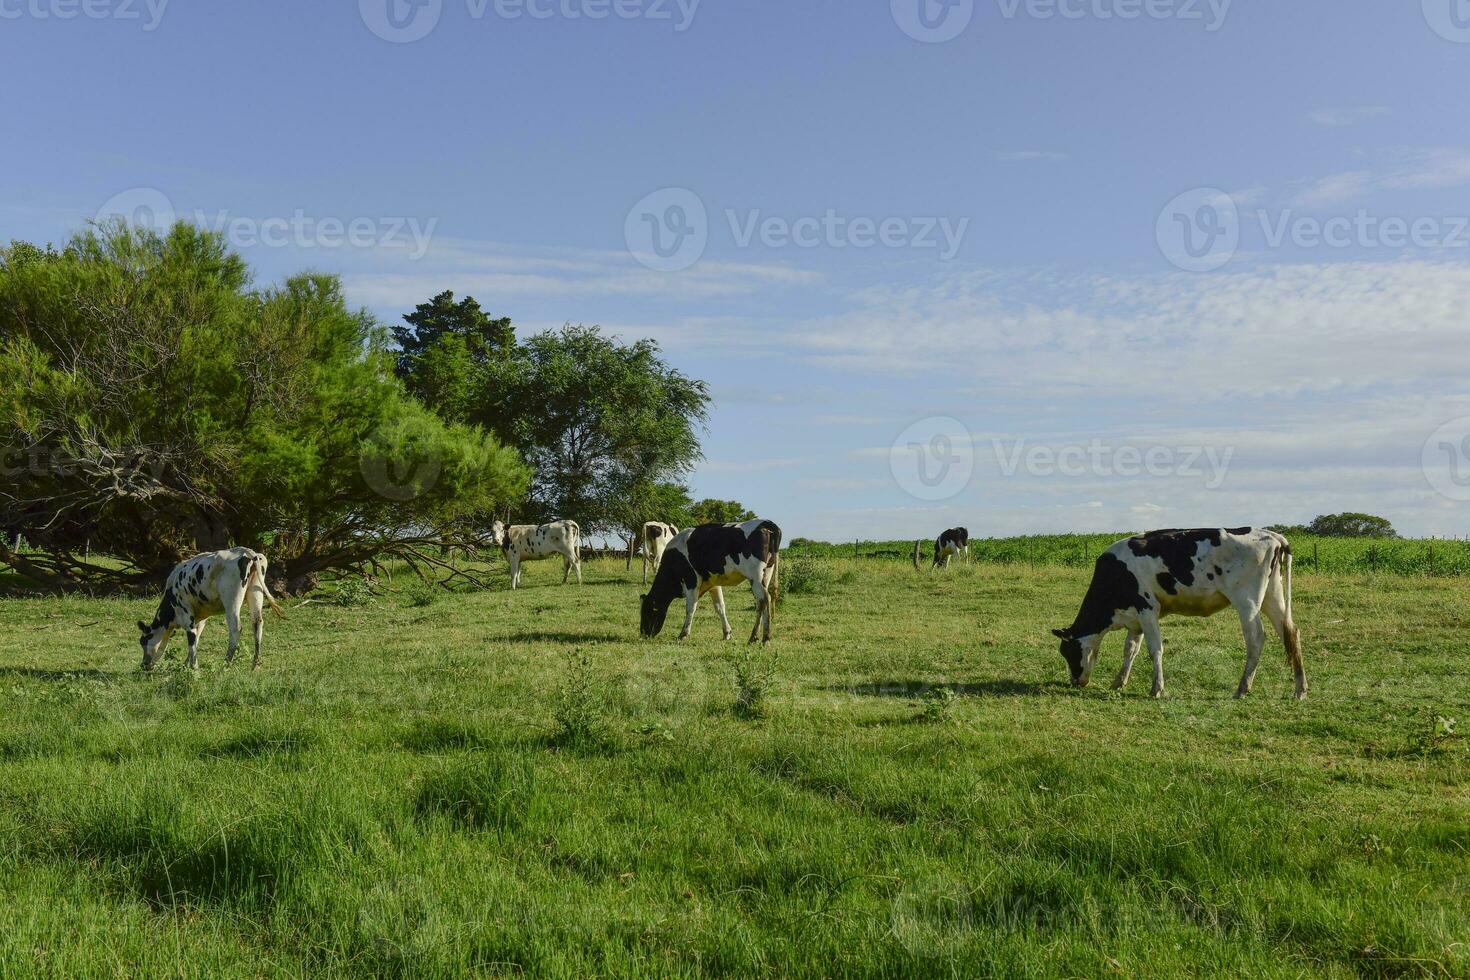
point(393, 793)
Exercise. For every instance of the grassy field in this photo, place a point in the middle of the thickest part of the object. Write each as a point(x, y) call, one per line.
point(514, 784)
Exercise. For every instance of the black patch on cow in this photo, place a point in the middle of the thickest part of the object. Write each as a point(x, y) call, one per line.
point(1219, 570)
point(1175, 548)
point(1240, 531)
point(1167, 583)
point(1114, 587)
point(655, 532)
point(957, 536)
point(244, 563)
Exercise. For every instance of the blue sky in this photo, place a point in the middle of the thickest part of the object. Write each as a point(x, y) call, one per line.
point(1083, 265)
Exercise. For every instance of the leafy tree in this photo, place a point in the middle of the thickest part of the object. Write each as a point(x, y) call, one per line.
point(711, 511)
point(442, 349)
point(606, 426)
point(153, 403)
point(1351, 525)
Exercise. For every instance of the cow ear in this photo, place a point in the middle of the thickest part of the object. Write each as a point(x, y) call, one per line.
point(1061, 634)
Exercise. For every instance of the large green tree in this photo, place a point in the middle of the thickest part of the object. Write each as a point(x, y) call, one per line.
point(153, 403)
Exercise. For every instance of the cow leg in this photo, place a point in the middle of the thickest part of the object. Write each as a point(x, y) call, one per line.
point(515, 572)
point(232, 621)
point(566, 569)
point(762, 610)
point(194, 631)
point(691, 602)
point(718, 595)
point(1130, 650)
point(577, 563)
point(1155, 638)
point(1278, 612)
point(257, 622)
point(1255, 640)
point(645, 564)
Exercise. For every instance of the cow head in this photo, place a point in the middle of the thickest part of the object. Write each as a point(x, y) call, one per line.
point(652, 615)
point(1080, 653)
point(151, 641)
point(497, 534)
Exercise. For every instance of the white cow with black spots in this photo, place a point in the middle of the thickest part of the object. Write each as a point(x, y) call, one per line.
point(706, 558)
point(204, 586)
point(1140, 580)
point(529, 542)
point(652, 540)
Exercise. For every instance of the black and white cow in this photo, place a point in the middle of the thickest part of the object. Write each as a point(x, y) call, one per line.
point(706, 558)
point(653, 539)
point(204, 586)
point(955, 541)
point(1139, 580)
point(528, 542)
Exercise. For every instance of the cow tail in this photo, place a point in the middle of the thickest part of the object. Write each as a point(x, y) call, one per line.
point(1290, 638)
point(257, 582)
point(775, 565)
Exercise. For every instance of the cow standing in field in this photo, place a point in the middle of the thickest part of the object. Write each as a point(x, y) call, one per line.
point(955, 541)
point(204, 586)
point(1139, 580)
point(528, 542)
point(653, 539)
point(706, 558)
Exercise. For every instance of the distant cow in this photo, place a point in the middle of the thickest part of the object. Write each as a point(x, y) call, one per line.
point(204, 586)
point(528, 542)
point(955, 541)
point(1187, 573)
point(705, 558)
point(653, 539)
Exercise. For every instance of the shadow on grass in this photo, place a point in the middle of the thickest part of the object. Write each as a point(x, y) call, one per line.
point(39, 674)
point(1000, 688)
point(259, 745)
point(547, 636)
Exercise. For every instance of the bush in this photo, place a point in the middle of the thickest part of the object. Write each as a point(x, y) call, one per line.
point(755, 675)
point(581, 707)
point(353, 592)
point(810, 575)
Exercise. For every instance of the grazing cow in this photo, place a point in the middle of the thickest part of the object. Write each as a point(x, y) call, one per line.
point(1187, 573)
point(527, 542)
point(204, 586)
point(654, 538)
point(705, 558)
point(955, 541)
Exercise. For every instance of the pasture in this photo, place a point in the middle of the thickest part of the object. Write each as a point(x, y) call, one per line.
point(515, 784)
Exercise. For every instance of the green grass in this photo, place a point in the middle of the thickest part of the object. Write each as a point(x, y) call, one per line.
point(396, 792)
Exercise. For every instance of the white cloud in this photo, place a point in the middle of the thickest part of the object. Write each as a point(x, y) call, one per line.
point(1417, 169)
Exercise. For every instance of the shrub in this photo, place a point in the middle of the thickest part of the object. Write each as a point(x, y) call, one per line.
point(581, 707)
point(353, 592)
point(755, 674)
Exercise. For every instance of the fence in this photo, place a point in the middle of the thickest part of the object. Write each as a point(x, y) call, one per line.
point(1332, 556)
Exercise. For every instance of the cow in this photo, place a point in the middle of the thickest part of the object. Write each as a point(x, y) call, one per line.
point(955, 541)
point(706, 558)
point(1141, 579)
point(653, 539)
point(528, 542)
point(204, 586)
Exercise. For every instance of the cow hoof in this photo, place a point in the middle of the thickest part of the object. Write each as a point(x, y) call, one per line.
point(1158, 694)
point(1240, 693)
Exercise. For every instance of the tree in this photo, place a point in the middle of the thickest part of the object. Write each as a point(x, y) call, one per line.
point(443, 348)
point(1351, 525)
point(606, 426)
point(711, 511)
point(152, 404)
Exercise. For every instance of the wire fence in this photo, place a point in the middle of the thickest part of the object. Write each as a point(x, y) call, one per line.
point(1447, 557)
